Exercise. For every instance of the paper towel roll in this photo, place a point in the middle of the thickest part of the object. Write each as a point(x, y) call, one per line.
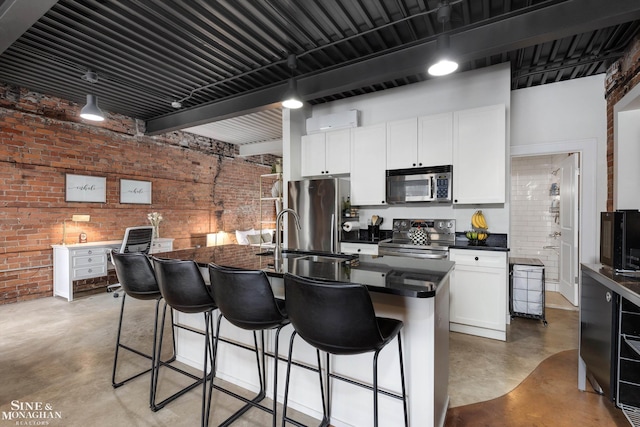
point(351, 226)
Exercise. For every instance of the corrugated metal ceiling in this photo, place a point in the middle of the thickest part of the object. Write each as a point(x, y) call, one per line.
point(228, 58)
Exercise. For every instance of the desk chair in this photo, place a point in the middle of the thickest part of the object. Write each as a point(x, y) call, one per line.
point(136, 239)
point(339, 319)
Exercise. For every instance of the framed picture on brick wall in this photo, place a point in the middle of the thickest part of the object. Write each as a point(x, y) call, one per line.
point(85, 188)
point(132, 191)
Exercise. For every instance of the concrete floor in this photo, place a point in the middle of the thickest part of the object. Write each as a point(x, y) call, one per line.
point(61, 354)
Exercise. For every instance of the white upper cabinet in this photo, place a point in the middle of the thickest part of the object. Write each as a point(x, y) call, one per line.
point(435, 140)
point(326, 153)
point(420, 142)
point(368, 161)
point(402, 144)
point(479, 155)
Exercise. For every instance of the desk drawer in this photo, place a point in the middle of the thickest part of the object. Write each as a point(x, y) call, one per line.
point(89, 260)
point(157, 247)
point(89, 272)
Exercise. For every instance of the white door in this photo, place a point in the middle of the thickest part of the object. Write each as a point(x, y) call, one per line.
point(569, 190)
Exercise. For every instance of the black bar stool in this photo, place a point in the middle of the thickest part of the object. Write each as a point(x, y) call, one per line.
point(338, 319)
point(138, 281)
point(183, 289)
point(246, 300)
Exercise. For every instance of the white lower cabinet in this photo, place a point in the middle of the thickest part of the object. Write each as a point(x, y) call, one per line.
point(479, 293)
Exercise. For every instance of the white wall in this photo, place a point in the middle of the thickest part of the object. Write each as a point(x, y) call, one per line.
point(460, 91)
point(567, 117)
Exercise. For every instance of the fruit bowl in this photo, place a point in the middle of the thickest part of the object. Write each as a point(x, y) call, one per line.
point(477, 236)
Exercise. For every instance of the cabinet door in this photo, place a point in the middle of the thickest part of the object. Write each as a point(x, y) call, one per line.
point(368, 161)
point(312, 154)
point(402, 144)
point(478, 297)
point(338, 152)
point(479, 289)
point(435, 140)
point(479, 155)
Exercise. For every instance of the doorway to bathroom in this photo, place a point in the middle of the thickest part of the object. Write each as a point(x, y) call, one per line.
point(545, 192)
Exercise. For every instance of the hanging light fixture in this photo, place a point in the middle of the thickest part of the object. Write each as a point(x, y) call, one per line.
point(291, 96)
point(91, 111)
point(445, 63)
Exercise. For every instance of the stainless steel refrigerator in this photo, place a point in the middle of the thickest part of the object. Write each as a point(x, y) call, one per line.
point(318, 202)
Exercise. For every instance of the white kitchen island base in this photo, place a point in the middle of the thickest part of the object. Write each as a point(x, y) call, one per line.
point(425, 339)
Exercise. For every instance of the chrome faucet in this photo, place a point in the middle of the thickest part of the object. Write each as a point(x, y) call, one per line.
point(277, 253)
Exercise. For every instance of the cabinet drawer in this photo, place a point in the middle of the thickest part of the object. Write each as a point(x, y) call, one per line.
point(89, 260)
point(161, 247)
point(359, 248)
point(89, 271)
point(88, 252)
point(479, 258)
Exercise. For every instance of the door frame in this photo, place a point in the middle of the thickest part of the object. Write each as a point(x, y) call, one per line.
point(587, 204)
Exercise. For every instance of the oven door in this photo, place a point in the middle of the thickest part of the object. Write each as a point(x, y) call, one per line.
point(410, 188)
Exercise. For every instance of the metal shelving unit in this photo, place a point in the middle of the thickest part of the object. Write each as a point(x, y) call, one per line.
point(270, 193)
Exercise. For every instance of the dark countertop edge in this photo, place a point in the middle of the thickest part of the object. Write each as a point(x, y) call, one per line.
point(480, 248)
point(619, 284)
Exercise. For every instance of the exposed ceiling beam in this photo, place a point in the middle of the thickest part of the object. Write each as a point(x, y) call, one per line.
point(257, 148)
point(545, 24)
point(17, 16)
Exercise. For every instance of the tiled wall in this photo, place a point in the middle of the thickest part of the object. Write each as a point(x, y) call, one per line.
point(532, 222)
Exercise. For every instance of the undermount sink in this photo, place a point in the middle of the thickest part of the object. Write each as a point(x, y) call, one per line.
point(319, 258)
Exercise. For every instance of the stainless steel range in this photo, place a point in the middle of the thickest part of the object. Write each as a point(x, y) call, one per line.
point(408, 238)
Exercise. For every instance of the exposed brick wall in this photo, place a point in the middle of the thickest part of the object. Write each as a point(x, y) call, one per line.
point(618, 85)
point(198, 184)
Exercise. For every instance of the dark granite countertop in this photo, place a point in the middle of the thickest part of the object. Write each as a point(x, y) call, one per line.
point(495, 242)
point(384, 274)
point(626, 285)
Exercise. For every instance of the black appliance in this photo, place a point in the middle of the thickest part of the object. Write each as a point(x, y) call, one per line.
point(620, 240)
point(432, 184)
point(598, 334)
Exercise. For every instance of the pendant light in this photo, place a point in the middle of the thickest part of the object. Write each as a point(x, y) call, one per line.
point(445, 63)
point(291, 97)
point(91, 111)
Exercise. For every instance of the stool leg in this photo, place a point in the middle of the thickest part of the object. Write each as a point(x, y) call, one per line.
point(375, 388)
point(325, 414)
point(328, 375)
point(404, 392)
point(156, 367)
point(207, 355)
point(156, 352)
point(275, 377)
point(115, 358)
point(286, 381)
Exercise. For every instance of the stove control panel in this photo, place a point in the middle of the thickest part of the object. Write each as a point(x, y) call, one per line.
point(432, 226)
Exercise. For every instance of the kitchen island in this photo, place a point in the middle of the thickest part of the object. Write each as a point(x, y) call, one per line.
point(414, 291)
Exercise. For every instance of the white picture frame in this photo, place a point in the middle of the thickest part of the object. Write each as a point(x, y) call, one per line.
point(85, 188)
point(134, 191)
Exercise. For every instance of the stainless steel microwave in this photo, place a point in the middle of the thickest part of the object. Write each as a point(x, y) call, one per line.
point(620, 240)
point(431, 184)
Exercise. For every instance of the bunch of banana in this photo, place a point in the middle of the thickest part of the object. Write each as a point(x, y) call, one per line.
point(478, 221)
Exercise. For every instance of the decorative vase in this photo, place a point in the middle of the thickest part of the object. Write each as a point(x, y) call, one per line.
point(156, 232)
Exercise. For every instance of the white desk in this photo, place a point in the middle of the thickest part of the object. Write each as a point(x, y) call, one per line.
point(88, 260)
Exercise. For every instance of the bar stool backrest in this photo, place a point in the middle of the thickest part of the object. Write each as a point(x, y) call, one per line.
point(182, 285)
point(335, 317)
point(135, 274)
point(245, 297)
